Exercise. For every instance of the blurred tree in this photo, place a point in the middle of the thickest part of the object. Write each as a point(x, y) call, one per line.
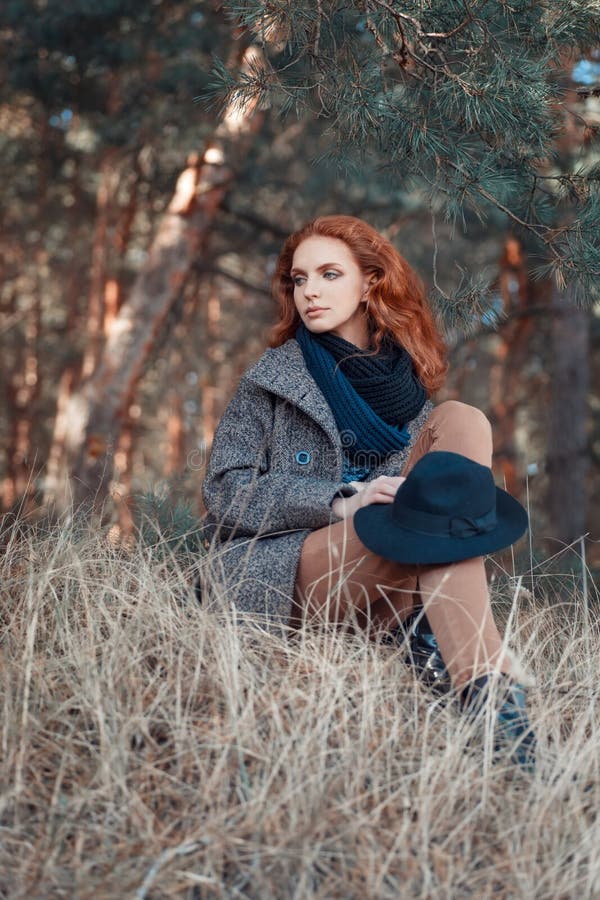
point(97, 409)
point(21, 375)
point(93, 96)
point(507, 381)
point(568, 444)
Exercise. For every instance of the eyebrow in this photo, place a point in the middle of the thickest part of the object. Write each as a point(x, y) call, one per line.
point(319, 268)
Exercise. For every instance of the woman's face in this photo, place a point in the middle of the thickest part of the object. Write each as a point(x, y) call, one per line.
point(328, 280)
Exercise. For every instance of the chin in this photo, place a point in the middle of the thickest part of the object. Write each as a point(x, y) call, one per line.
point(316, 326)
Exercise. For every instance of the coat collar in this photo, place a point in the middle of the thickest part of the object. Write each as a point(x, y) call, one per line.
point(282, 371)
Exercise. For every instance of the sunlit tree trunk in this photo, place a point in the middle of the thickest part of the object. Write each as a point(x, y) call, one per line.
point(175, 455)
point(511, 349)
point(56, 456)
point(99, 267)
point(97, 408)
point(124, 471)
point(112, 234)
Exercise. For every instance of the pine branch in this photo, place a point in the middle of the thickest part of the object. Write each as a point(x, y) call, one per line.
point(461, 99)
point(166, 524)
point(584, 93)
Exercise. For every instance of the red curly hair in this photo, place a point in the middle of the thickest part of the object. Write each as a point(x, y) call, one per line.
point(397, 305)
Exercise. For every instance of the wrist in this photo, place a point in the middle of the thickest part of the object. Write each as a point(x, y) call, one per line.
point(346, 506)
point(358, 485)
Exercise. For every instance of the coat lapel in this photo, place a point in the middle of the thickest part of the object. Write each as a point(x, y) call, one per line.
point(282, 371)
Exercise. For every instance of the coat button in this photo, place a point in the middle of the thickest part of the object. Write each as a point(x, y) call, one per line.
point(302, 457)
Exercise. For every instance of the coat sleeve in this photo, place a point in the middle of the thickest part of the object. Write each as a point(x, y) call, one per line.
point(241, 493)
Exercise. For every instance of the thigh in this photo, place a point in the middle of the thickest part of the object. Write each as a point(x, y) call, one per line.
point(337, 572)
point(457, 427)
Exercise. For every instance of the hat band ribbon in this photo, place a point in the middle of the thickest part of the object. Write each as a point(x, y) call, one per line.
point(457, 526)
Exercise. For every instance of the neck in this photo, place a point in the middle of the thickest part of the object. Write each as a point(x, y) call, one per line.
point(356, 333)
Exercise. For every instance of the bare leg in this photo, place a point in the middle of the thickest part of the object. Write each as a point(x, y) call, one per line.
point(457, 605)
point(458, 428)
point(451, 426)
point(338, 578)
point(456, 598)
point(338, 575)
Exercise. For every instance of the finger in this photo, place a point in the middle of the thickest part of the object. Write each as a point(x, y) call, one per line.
point(379, 497)
point(391, 488)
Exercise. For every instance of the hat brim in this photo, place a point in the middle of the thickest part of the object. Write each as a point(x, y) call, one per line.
point(378, 532)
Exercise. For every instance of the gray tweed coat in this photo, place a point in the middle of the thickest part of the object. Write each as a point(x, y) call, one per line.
point(274, 470)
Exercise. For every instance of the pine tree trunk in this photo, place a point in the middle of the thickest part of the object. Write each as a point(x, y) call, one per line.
point(57, 453)
point(21, 393)
point(212, 386)
point(506, 376)
point(98, 274)
point(567, 457)
point(176, 449)
point(22, 381)
point(175, 454)
point(96, 410)
point(103, 301)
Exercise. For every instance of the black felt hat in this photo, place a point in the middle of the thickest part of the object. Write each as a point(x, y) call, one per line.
point(448, 509)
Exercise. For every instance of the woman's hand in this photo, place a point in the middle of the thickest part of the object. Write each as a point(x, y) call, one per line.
point(380, 490)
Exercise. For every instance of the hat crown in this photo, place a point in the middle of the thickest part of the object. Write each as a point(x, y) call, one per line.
point(448, 509)
point(448, 484)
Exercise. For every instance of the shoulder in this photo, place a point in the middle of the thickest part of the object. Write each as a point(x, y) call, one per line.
point(279, 368)
point(272, 372)
point(274, 359)
point(279, 372)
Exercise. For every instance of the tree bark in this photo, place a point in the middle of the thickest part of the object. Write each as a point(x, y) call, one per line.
point(506, 376)
point(21, 394)
point(567, 458)
point(98, 275)
point(175, 456)
point(96, 410)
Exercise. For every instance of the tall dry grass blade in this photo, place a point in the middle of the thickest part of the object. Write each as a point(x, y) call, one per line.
point(163, 748)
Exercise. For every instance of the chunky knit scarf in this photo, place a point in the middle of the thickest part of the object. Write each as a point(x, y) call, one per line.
point(372, 397)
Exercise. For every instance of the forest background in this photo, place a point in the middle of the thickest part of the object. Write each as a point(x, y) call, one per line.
point(141, 229)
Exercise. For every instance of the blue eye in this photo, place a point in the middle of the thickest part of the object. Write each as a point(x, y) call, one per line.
point(298, 279)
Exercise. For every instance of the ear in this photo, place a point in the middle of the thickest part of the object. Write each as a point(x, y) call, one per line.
point(367, 284)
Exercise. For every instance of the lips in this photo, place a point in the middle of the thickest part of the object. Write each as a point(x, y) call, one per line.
point(315, 310)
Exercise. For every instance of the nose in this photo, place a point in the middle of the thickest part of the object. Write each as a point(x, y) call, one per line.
point(310, 289)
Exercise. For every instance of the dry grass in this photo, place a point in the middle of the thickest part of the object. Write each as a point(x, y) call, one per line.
point(154, 748)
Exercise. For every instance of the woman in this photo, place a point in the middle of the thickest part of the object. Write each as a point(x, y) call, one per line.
point(301, 448)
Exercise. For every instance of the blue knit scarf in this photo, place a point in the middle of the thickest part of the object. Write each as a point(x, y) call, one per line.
point(363, 432)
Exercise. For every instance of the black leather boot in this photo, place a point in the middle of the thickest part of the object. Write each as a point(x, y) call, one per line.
point(423, 653)
point(512, 729)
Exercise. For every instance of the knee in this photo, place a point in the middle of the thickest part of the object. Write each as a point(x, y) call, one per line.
point(465, 417)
